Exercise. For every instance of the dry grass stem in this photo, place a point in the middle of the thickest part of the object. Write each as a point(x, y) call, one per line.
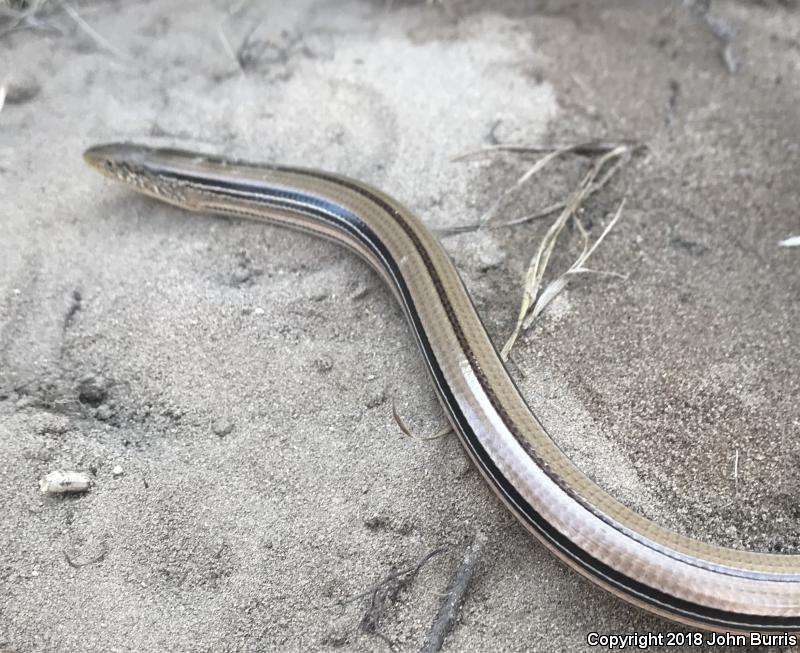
point(553, 289)
point(623, 151)
point(623, 159)
point(533, 303)
point(445, 430)
point(26, 17)
point(98, 38)
point(587, 148)
point(226, 44)
point(533, 170)
point(610, 157)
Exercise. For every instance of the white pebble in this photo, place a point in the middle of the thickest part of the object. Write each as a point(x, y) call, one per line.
point(117, 471)
point(60, 481)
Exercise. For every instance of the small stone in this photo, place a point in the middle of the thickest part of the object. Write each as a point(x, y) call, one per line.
point(375, 522)
point(376, 399)
point(117, 471)
point(43, 454)
point(323, 365)
point(60, 482)
point(22, 90)
point(359, 293)
point(222, 427)
point(49, 424)
point(24, 402)
point(92, 390)
point(172, 412)
point(241, 275)
point(103, 412)
point(481, 249)
point(339, 631)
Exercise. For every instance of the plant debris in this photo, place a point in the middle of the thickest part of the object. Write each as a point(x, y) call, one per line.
point(454, 599)
point(533, 303)
point(385, 592)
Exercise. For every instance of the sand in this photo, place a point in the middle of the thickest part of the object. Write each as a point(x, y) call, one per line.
point(229, 386)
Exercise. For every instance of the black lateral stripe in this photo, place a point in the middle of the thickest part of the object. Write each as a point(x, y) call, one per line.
point(647, 594)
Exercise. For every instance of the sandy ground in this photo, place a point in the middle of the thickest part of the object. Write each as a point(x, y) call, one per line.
point(242, 376)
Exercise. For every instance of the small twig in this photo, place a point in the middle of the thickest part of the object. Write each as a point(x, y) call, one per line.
point(98, 38)
point(730, 58)
point(226, 44)
point(250, 50)
point(736, 472)
point(444, 232)
point(386, 590)
point(413, 571)
point(538, 215)
point(601, 273)
point(25, 19)
point(724, 33)
point(492, 136)
point(451, 607)
point(587, 148)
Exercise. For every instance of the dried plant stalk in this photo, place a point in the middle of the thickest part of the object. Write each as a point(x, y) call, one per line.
point(538, 264)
